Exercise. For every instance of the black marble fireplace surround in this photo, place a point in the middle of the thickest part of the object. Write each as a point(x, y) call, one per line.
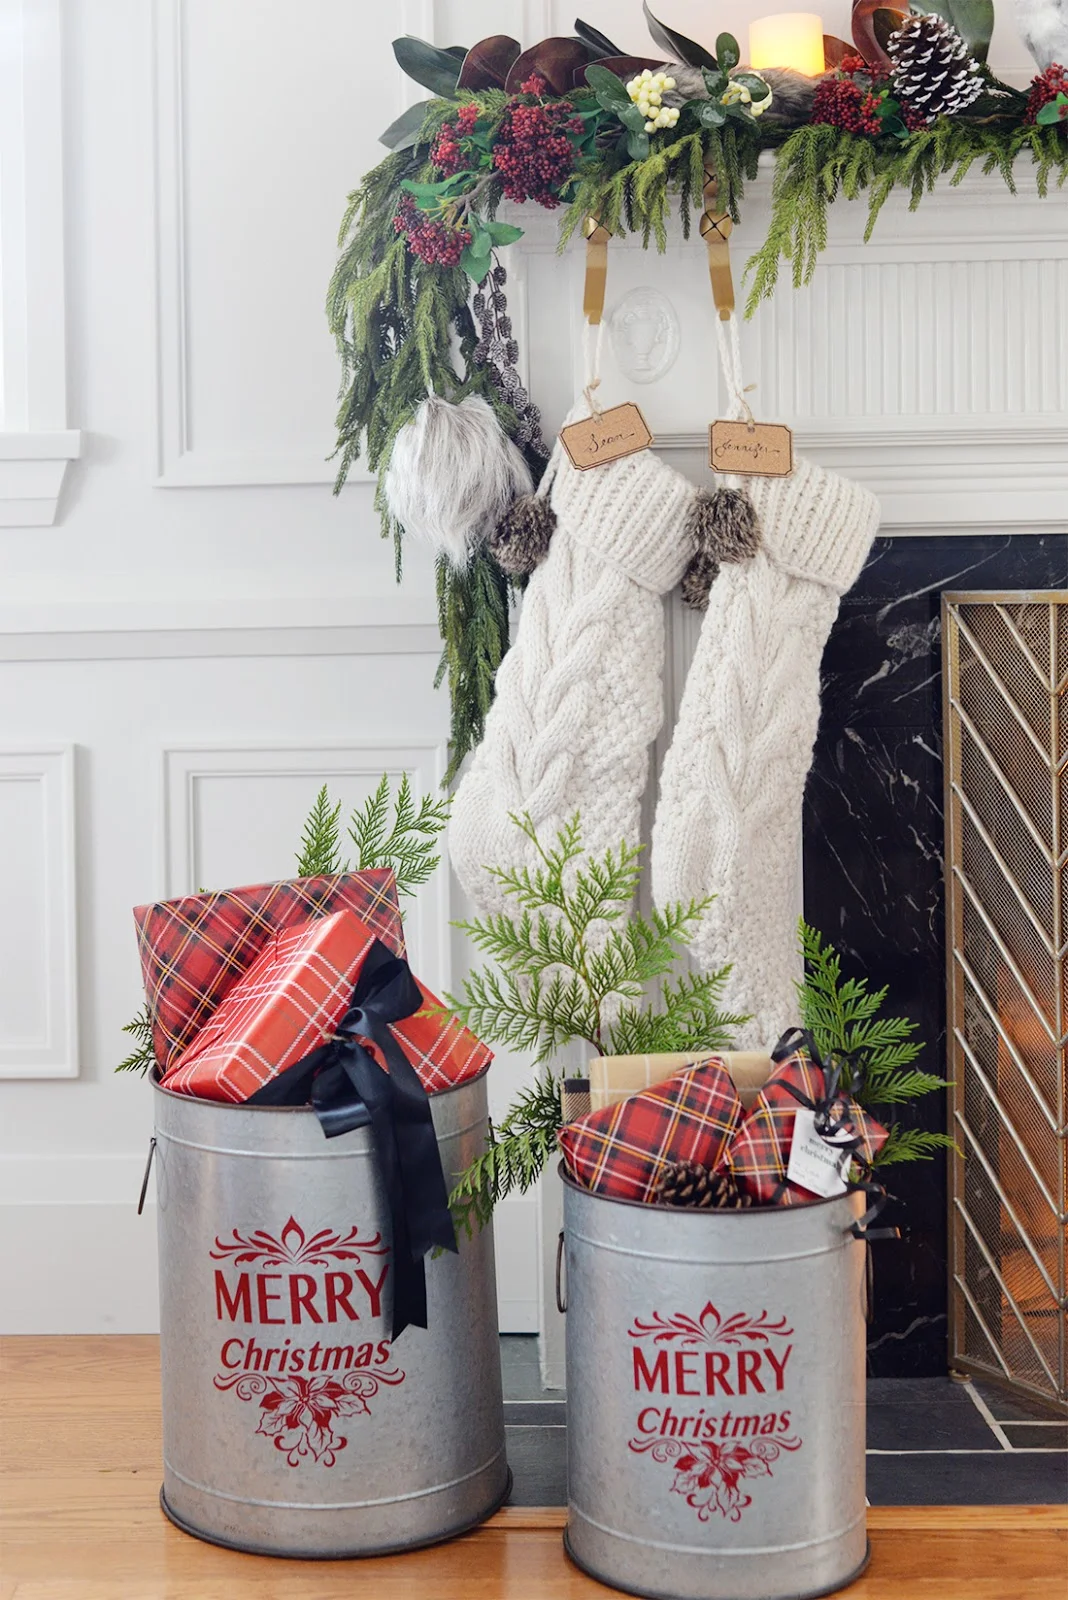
point(873, 860)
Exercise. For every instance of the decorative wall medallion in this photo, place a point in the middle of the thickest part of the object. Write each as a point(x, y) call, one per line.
point(645, 335)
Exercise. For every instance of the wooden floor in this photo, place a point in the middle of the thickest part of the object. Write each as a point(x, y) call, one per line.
point(79, 1520)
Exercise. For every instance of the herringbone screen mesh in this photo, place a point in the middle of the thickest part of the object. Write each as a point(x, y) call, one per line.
point(1006, 672)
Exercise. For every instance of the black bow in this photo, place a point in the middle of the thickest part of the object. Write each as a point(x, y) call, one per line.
point(348, 1089)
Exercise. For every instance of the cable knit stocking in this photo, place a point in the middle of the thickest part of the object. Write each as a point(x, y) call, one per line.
point(728, 820)
point(579, 698)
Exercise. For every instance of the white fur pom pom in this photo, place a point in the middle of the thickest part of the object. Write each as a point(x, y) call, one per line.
point(453, 474)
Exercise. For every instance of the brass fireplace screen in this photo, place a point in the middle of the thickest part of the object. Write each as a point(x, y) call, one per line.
point(1006, 727)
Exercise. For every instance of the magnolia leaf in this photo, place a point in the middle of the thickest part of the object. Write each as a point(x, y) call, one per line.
point(404, 132)
point(885, 22)
point(437, 70)
point(488, 63)
point(610, 90)
point(836, 50)
point(864, 36)
point(728, 54)
point(594, 40)
point(973, 20)
point(555, 60)
point(677, 44)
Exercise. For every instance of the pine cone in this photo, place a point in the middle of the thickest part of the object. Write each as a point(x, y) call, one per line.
point(688, 1183)
point(932, 73)
point(520, 541)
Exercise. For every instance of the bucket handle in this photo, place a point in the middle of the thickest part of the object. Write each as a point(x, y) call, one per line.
point(561, 1294)
point(869, 1283)
point(144, 1180)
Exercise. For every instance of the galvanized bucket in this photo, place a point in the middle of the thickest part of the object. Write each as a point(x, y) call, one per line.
point(715, 1393)
point(291, 1425)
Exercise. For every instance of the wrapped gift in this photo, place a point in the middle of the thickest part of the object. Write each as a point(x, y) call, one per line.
point(284, 1006)
point(801, 1137)
point(308, 983)
point(194, 950)
point(622, 1150)
point(614, 1078)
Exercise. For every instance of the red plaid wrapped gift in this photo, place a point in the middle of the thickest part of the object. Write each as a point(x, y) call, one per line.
point(759, 1154)
point(622, 1150)
point(292, 997)
point(288, 1002)
point(194, 950)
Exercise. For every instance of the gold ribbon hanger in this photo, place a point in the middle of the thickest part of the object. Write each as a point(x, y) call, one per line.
point(716, 227)
point(596, 283)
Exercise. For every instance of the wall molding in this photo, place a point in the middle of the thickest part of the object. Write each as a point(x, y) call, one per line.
point(185, 768)
point(35, 445)
point(54, 1054)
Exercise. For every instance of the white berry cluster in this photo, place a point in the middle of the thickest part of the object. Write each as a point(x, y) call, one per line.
point(647, 91)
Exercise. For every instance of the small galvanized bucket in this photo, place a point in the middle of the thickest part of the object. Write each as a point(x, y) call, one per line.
point(291, 1425)
point(715, 1392)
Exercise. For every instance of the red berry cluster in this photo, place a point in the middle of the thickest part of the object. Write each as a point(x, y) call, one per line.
point(844, 104)
point(447, 152)
point(432, 240)
point(849, 66)
point(532, 151)
point(1046, 87)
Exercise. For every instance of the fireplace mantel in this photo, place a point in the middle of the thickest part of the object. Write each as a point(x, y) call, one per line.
point(930, 363)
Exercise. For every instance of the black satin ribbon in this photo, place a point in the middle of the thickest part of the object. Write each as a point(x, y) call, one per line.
point(349, 1089)
point(832, 1110)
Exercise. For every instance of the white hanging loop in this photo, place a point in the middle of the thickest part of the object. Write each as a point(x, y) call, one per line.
point(730, 360)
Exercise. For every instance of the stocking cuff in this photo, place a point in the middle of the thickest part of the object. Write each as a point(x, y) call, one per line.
point(816, 524)
point(631, 513)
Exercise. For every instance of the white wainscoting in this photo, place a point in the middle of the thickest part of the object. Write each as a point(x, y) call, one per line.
point(38, 973)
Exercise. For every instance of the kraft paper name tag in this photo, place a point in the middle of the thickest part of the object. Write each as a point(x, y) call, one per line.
point(755, 450)
point(596, 441)
point(815, 1163)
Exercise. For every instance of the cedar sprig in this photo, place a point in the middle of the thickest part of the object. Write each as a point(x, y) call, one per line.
point(142, 1057)
point(320, 842)
point(407, 840)
point(515, 1156)
point(875, 1052)
point(574, 962)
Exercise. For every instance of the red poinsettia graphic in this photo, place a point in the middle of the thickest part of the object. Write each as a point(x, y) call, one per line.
point(710, 1474)
point(294, 1247)
point(300, 1413)
point(711, 1329)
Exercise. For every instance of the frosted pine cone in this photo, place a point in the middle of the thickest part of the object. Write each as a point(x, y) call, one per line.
point(932, 74)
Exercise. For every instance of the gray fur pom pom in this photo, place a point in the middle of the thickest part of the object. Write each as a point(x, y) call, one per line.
point(724, 522)
point(697, 580)
point(520, 541)
point(453, 472)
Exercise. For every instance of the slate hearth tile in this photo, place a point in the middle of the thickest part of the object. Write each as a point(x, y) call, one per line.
point(997, 1478)
point(951, 1423)
point(538, 1459)
point(1007, 1406)
point(536, 1413)
point(1037, 1436)
point(520, 1371)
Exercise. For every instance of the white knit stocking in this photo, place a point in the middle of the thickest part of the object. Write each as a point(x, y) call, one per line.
point(728, 820)
point(579, 698)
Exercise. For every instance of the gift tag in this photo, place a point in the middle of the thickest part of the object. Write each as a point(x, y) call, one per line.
point(815, 1163)
point(595, 441)
point(751, 449)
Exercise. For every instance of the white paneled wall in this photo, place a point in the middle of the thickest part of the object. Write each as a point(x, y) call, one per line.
point(205, 634)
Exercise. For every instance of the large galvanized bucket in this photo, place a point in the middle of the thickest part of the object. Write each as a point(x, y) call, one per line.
point(291, 1424)
point(715, 1393)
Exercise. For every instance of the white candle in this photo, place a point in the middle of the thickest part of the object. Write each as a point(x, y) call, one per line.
point(791, 39)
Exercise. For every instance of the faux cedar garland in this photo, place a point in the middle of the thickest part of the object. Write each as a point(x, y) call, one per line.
point(405, 329)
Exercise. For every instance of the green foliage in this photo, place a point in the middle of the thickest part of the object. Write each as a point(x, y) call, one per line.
point(818, 163)
point(142, 1057)
point(515, 1156)
point(407, 841)
point(473, 623)
point(320, 843)
point(388, 830)
point(574, 961)
point(874, 1052)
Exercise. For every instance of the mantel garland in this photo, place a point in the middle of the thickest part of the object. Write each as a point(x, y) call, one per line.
point(417, 302)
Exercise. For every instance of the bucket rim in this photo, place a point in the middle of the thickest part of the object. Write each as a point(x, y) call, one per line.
point(712, 1214)
point(155, 1076)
